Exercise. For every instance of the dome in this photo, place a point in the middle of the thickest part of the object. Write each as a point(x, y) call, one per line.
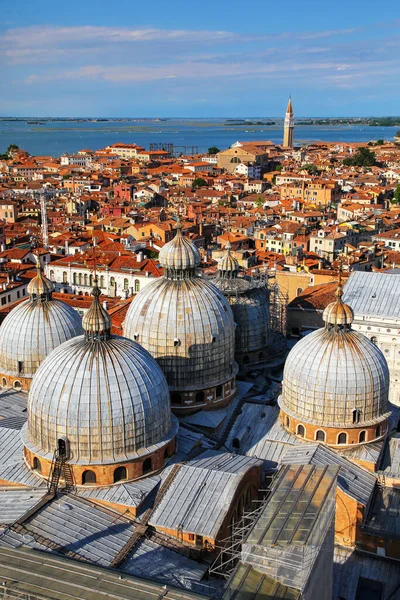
point(228, 266)
point(40, 286)
point(105, 394)
point(34, 328)
point(179, 257)
point(336, 377)
point(188, 327)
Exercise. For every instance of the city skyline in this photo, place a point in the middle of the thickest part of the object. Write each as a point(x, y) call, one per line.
point(164, 60)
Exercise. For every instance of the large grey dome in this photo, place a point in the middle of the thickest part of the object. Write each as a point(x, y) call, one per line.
point(31, 331)
point(334, 373)
point(188, 326)
point(107, 397)
point(180, 256)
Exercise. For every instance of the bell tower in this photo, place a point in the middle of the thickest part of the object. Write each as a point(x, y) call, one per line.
point(288, 126)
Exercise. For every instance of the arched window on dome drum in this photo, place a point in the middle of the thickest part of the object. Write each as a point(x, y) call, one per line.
point(378, 431)
point(342, 438)
point(166, 454)
point(120, 474)
point(219, 392)
point(176, 398)
point(17, 385)
point(301, 431)
point(126, 284)
point(4, 382)
point(287, 422)
point(88, 478)
point(147, 466)
point(199, 397)
point(137, 285)
point(320, 436)
point(36, 465)
point(362, 436)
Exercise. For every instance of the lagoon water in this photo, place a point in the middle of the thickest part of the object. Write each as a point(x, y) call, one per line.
point(56, 137)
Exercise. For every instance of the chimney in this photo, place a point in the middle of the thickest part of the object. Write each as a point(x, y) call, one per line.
point(105, 304)
point(140, 256)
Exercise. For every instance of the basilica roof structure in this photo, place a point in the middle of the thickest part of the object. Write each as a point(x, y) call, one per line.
point(335, 383)
point(104, 400)
point(249, 300)
point(186, 323)
point(32, 330)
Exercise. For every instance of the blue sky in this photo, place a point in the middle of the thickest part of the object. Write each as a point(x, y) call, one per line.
point(199, 59)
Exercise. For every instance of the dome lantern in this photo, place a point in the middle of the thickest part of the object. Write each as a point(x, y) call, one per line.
point(96, 322)
point(40, 288)
point(179, 257)
point(228, 266)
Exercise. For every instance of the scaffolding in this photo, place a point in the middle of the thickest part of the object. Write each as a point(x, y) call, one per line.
point(174, 150)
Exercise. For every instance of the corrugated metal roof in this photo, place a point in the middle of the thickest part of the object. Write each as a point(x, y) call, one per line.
point(11, 447)
point(352, 479)
point(127, 494)
point(373, 294)
point(15, 503)
point(247, 582)
point(391, 457)
point(201, 493)
point(18, 472)
point(383, 515)
point(154, 561)
point(349, 565)
point(95, 534)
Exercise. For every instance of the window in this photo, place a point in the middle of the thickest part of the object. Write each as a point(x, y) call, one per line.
point(120, 474)
point(378, 431)
point(287, 422)
point(176, 398)
point(219, 392)
point(80, 278)
point(137, 285)
point(199, 397)
point(4, 382)
point(342, 438)
point(300, 430)
point(236, 160)
point(126, 284)
point(236, 443)
point(36, 465)
point(20, 367)
point(88, 478)
point(17, 385)
point(51, 275)
point(147, 466)
point(85, 279)
point(356, 415)
point(65, 277)
point(320, 436)
point(362, 436)
point(102, 281)
point(74, 279)
point(62, 447)
point(299, 290)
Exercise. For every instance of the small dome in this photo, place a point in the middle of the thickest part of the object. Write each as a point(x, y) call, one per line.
point(338, 313)
point(335, 371)
point(228, 266)
point(179, 257)
point(40, 287)
point(32, 330)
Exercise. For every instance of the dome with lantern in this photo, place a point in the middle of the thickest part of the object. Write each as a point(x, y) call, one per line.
point(336, 383)
point(186, 323)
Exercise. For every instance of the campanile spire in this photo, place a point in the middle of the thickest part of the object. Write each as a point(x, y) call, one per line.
point(288, 129)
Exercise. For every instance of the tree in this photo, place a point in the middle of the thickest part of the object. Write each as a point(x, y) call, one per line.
point(311, 169)
point(213, 150)
point(396, 197)
point(199, 182)
point(260, 202)
point(362, 158)
point(9, 152)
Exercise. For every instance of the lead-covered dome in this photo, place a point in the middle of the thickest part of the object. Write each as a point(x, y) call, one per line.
point(179, 257)
point(336, 377)
point(32, 330)
point(186, 323)
point(104, 394)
